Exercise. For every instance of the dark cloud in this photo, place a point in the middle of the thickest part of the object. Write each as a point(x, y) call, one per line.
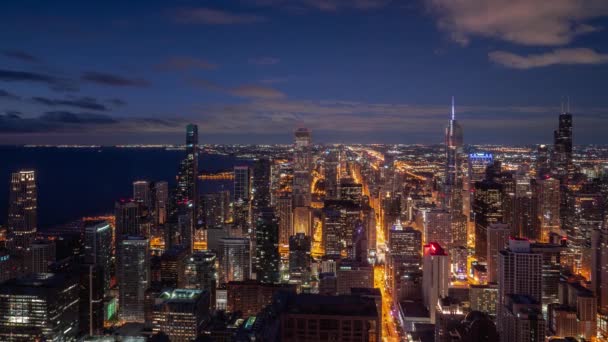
point(77, 122)
point(264, 61)
point(80, 118)
point(55, 83)
point(83, 103)
point(208, 16)
point(20, 55)
point(181, 63)
point(113, 80)
point(117, 102)
point(6, 95)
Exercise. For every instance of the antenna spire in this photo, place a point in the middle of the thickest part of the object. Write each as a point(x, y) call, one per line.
point(568, 104)
point(452, 107)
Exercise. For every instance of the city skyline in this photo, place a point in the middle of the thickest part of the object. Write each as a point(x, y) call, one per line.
point(253, 71)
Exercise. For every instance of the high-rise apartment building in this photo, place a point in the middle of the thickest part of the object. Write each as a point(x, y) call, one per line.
point(519, 273)
point(285, 213)
point(522, 321)
point(267, 256)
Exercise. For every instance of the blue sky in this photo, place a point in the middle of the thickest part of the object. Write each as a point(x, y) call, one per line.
point(250, 71)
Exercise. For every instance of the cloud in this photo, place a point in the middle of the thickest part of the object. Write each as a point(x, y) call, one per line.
point(208, 16)
point(113, 80)
point(325, 5)
point(117, 102)
point(254, 91)
point(527, 22)
point(181, 63)
point(78, 122)
point(55, 83)
point(264, 61)
point(71, 118)
point(20, 55)
point(7, 95)
point(83, 103)
point(558, 56)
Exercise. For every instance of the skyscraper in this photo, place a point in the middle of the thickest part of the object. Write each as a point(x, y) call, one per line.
point(234, 255)
point(39, 306)
point(267, 246)
point(261, 184)
point(141, 193)
point(545, 208)
point(331, 170)
point(498, 239)
point(302, 167)
point(562, 148)
point(91, 293)
point(98, 248)
point(487, 209)
point(453, 175)
point(42, 255)
point(285, 213)
point(161, 196)
point(127, 216)
point(435, 276)
point(519, 273)
point(181, 314)
point(242, 199)
point(201, 273)
point(299, 257)
point(133, 275)
point(22, 212)
point(187, 177)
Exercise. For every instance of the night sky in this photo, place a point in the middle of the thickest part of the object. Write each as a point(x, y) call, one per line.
point(250, 71)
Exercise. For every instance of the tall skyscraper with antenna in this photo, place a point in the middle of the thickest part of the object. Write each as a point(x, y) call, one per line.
point(453, 172)
point(562, 146)
point(452, 199)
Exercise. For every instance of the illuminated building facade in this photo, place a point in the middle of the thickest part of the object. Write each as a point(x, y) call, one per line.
point(435, 276)
point(302, 160)
point(201, 273)
point(562, 148)
point(546, 208)
point(519, 273)
point(234, 255)
point(267, 256)
point(22, 220)
point(141, 193)
point(98, 248)
point(127, 216)
point(39, 306)
point(181, 314)
point(161, 198)
point(487, 209)
point(133, 275)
